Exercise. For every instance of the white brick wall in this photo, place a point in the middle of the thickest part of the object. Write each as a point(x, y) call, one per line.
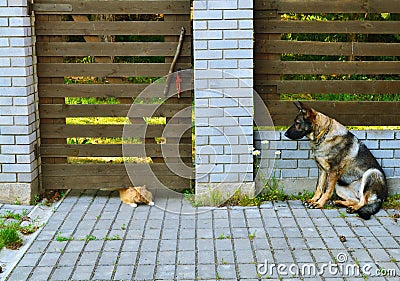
point(223, 57)
point(296, 159)
point(18, 127)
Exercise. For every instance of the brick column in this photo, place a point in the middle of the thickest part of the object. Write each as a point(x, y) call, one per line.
point(18, 105)
point(223, 63)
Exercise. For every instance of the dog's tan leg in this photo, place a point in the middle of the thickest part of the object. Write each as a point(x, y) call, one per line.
point(354, 208)
point(332, 180)
point(346, 203)
point(322, 177)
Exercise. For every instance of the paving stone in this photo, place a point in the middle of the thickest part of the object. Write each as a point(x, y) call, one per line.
point(185, 271)
point(226, 271)
point(62, 273)
point(206, 271)
point(127, 258)
point(166, 258)
point(124, 272)
point(165, 272)
point(149, 243)
point(103, 272)
point(144, 272)
point(186, 257)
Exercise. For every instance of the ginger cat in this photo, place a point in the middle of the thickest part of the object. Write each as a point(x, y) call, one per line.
point(134, 195)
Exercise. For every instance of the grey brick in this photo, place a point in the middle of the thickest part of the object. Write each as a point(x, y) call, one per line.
point(390, 144)
point(387, 153)
point(286, 164)
point(390, 163)
point(209, 15)
point(372, 144)
point(238, 14)
point(294, 173)
point(280, 145)
point(360, 134)
point(380, 135)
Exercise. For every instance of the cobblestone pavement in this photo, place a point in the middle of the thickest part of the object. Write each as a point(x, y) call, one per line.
point(92, 236)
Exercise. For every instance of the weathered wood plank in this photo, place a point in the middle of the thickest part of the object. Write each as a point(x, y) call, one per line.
point(111, 28)
point(107, 90)
point(348, 113)
point(327, 48)
point(96, 176)
point(116, 7)
point(110, 110)
point(111, 131)
point(334, 6)
point(105, 69)
point(161, 169)
point(329, 86)
point(116, 150)
point(111, 49)
point(91, 90)
point(365, 27)
point(327, 67)
point(121, 181)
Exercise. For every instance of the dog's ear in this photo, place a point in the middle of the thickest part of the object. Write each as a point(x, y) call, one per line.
point(307, 111)
point(297, 105)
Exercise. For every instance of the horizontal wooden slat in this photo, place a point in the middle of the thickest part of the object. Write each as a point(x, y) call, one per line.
point(327, 48)
point(91, 90)
point(111, 131)
point(110, 110)
point(348, 113)
point(109, 90)
point(116, 150)
point(334, 6)
point(106, 69)
point(112, 28)
point(55, 170)
point(328, 86)
point(96, 176)
point(98, 182)
point(115, 7)
point(327, 67)
point(365, 27)
point(110, 49)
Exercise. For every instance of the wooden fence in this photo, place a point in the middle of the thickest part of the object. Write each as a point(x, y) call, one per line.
point(84, 49)
point(274, 75)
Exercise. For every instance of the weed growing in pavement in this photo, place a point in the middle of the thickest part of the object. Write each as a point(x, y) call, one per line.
point(10, 238)
point(11, 228)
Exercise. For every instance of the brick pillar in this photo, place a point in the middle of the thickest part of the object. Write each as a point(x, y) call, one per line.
point(18, 105)
point(223, 63)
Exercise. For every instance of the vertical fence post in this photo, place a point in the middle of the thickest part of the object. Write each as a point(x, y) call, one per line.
point(223, 81)
point(18, 105)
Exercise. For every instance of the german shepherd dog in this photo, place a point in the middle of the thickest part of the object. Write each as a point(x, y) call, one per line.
point(345, 164)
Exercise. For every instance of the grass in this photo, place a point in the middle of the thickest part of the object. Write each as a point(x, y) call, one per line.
point(392, 202)
point(11, 229)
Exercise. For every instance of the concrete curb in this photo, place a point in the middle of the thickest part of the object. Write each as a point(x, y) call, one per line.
point(10, 258)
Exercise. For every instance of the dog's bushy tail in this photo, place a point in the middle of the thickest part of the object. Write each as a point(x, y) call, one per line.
point(370, 209)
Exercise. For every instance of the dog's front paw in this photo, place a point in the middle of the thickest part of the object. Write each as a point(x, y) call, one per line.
point(350, 210)
point(312, 204)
